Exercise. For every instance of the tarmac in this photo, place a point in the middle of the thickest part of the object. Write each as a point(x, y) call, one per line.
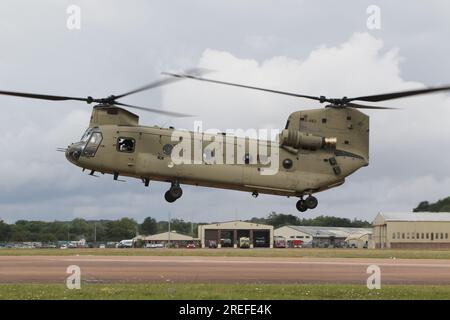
point(141, 269)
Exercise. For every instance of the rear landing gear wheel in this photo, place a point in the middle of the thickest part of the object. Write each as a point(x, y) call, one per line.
point(175, 192)
point(301, 205)
point(169, 197)
point(311, 202)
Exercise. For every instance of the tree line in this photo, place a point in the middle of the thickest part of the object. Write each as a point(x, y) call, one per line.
point(91, 230)
point(442, 205)
point(278, 220)
point(126, 228)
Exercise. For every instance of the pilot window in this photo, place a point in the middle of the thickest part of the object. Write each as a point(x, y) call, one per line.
point(92, 145)
point(125, 144)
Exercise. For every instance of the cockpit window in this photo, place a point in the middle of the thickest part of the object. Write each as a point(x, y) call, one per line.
point(126, 144)
point(86, 135)
point(92, 145)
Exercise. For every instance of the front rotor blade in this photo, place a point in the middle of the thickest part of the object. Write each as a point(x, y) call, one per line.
point(41, 96)
point(159, 83)
point(401, 94)
point(362, 106)
point(168, 113)
point(189, 76)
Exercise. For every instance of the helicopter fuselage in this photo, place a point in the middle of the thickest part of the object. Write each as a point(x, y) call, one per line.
point(116, 144)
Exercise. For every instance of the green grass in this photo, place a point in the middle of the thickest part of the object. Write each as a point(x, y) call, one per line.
point(303, 252)
point(222, 291)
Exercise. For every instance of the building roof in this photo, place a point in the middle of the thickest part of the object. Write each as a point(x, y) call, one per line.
point(325, 232)
point(236, 224)
point(174, 236)
point(413, 216)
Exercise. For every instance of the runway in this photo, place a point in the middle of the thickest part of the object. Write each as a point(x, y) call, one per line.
point(141, 269)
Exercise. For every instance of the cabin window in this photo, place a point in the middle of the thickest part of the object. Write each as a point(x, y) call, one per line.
point(167, 149)
point(92, 145)
point(287, 164)
point(247, 158)
point(126, 144)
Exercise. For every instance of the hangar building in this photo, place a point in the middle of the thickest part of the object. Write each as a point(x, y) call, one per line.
point(227, 234)
point(321, 237)
point(418, 230)
point(175, 238)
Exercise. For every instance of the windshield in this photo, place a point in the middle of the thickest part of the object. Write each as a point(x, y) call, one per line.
point(86, 135)
point(93, 144)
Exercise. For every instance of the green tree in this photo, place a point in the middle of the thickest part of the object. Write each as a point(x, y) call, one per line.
point(149, 226)
point(5, 231)
point(124, 228)
point(78, 228)
point(442, 205)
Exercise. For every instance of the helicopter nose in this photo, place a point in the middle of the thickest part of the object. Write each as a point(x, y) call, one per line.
point(73, 152)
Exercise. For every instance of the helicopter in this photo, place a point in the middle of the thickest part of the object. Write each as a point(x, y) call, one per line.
point(316, 150)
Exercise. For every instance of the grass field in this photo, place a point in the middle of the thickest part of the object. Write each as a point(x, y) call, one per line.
point(303, 252)
point(221, 291)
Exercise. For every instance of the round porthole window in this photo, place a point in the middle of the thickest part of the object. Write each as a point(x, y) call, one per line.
point(287, 163)
point(167, 149)
point(247, 158)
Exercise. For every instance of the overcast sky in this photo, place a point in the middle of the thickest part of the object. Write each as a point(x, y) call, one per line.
point(310, 47)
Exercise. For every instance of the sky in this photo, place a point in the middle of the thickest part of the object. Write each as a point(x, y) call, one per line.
point(309, 47)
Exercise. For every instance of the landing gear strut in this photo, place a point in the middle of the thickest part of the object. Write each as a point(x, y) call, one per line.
point(175, 192)
point(309, 203)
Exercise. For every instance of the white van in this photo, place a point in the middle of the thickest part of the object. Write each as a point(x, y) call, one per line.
point(125, 244)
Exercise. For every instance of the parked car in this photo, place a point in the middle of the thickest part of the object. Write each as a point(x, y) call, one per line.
point(64, 246)
point(244, 242)
point(280, 242)
point(226, 243)
point(102, 246)
point(260, 242)
point(190, 245)
point(212, 244)
point(154, 245)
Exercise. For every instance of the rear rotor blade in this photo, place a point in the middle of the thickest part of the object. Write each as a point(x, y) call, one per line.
point(401, 94)
point(362, 106)
point(159, 83)
point(189, 76)
point(41, 96)
point(168, 113)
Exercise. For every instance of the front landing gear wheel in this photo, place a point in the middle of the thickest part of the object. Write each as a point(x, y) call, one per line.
point(311, 202)
point(301, 205)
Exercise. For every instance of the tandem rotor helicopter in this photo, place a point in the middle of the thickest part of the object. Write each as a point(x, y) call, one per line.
point(317, 149)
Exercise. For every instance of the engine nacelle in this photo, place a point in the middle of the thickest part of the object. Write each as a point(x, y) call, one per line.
point(297, 139)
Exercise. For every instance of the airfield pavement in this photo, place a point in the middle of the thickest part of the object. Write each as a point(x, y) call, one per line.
point(188, 269)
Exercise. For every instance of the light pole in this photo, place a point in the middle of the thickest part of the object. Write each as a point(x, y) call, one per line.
point(168, 242)
point(95, 234)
